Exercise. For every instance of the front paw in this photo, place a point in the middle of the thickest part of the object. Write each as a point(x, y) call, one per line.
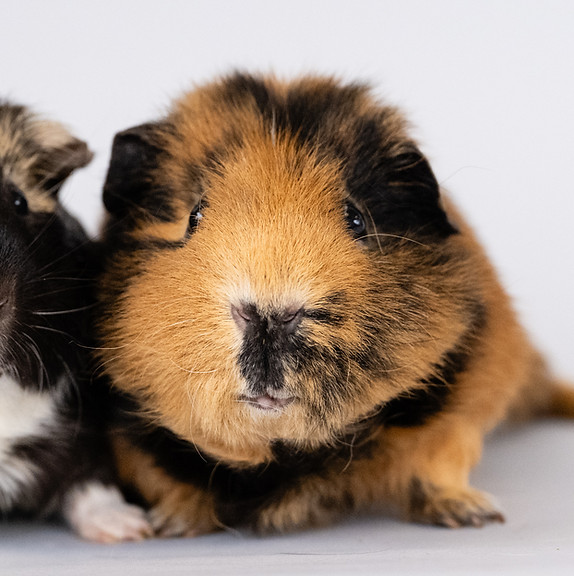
point(450, 507)
point(98, 512)
point(183, 513)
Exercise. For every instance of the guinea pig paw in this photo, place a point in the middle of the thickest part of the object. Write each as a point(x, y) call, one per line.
point(99, 513)
point(173, 525)
point(451, 507)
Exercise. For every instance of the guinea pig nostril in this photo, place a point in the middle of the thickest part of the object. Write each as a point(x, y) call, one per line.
point(289, 315)
point(290, 318)
point(243, 314)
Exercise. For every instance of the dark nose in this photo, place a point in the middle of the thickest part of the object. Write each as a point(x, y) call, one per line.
point(249, 318)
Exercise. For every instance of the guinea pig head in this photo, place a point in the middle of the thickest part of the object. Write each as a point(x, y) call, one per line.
point(41, 253)
point(280, 266)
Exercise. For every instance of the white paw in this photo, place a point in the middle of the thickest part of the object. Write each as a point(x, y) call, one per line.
point(99, 513)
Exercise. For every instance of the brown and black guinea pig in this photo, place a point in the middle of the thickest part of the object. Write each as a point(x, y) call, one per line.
point(298, 323)
point(53, 458)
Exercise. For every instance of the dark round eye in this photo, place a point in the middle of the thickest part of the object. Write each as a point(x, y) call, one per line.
point(20, 203)
point(355, 220)
point(194, 218)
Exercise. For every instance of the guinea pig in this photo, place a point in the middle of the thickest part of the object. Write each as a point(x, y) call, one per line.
point(52, 456)
point(298, 323)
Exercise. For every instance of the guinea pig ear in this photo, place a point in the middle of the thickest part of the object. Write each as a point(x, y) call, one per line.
point(411, 203)
point(134, 155)
point(58, 156)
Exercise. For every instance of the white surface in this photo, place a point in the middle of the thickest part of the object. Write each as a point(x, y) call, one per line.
point(490, 88)
point(529, 469)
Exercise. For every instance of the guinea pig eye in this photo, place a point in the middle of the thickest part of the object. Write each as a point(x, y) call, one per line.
point(20, 203)
point(355, 220)
point(194, 218)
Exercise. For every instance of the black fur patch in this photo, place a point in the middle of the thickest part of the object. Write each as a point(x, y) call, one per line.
point(241, 88)
point(130, 183)
point(415, 407)
point(313, 115)
point(400, 193)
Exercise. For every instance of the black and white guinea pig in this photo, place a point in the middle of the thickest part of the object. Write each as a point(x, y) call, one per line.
point(52, 458)
point(300, 322)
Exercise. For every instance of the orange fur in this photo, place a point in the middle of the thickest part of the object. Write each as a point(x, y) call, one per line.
point(273, 233)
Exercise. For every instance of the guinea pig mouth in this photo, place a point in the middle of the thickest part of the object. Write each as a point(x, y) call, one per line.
point(267, 402)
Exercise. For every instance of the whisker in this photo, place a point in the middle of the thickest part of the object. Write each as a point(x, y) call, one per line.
point(41, 367)
point(376, 235)
point(50, 329)
point(65, 255)
point(59, 312)
point(191, 398)
point(119, 347)
point(35, 240)
point(462, 168)
point(49, 276)
point(351, 446)
point(191, 371)
point(33, 297)
point(386, 235)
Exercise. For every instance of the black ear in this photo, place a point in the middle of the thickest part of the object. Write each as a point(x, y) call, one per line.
point(401, 194)
point(413, 197)
point(54, 164)
point(130, 179)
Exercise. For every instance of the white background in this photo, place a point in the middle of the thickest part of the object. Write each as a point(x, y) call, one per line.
point(488, 86)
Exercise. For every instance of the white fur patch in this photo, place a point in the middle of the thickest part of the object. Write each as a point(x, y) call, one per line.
point(99, 513)
point(15, 474)
point(23, 413)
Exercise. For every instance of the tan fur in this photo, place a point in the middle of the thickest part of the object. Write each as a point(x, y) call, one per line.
point(274, 234)
point(26, 141)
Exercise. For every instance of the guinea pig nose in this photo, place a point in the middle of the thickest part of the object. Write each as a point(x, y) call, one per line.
point(289, 318)
point(244, 314)
point(248, 317)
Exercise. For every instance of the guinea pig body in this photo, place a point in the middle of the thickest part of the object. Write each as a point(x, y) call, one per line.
point(51, 457)
point(300, 325)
